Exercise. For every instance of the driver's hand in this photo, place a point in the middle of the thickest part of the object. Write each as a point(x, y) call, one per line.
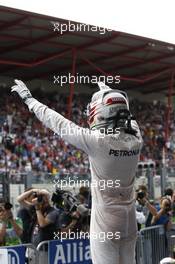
point(21, 89)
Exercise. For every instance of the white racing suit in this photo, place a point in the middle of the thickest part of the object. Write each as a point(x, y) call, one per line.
point(113, 159)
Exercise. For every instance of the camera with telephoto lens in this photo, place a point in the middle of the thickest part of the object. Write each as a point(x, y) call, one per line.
point(66, 203)
point(38, 196)
point(71, 203)
point(57, 198)
point(65, 200)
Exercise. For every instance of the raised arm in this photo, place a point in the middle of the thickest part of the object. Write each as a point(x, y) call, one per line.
point(80, 137)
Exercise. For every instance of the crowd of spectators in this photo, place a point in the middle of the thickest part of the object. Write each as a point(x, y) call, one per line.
point(152, 119)
point(31, 146)
point(44, 217)
point(64, 215)
point(25, 144)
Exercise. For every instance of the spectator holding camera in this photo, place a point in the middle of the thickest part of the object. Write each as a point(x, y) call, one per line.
point(163, 214)
point(144, 208)
point(10, 228)
point(46, 217)
point(163, 217)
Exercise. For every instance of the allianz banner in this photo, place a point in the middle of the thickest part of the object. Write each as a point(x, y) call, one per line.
point(12, 255)
point(68, 251)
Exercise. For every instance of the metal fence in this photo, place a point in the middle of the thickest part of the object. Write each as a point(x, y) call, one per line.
point(153, 244)
point(42, 250)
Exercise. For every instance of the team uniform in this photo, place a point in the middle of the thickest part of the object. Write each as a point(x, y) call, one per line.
point(113, 160)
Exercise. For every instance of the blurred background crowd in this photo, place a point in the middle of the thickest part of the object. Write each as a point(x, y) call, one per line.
point(44, 216)
point(31, 146)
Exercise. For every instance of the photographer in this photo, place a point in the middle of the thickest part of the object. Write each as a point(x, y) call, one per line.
point(163, 215)
point(46, 217)
point(27, 214)
point(157, 215)
point(10, 229)
point(144, 207)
